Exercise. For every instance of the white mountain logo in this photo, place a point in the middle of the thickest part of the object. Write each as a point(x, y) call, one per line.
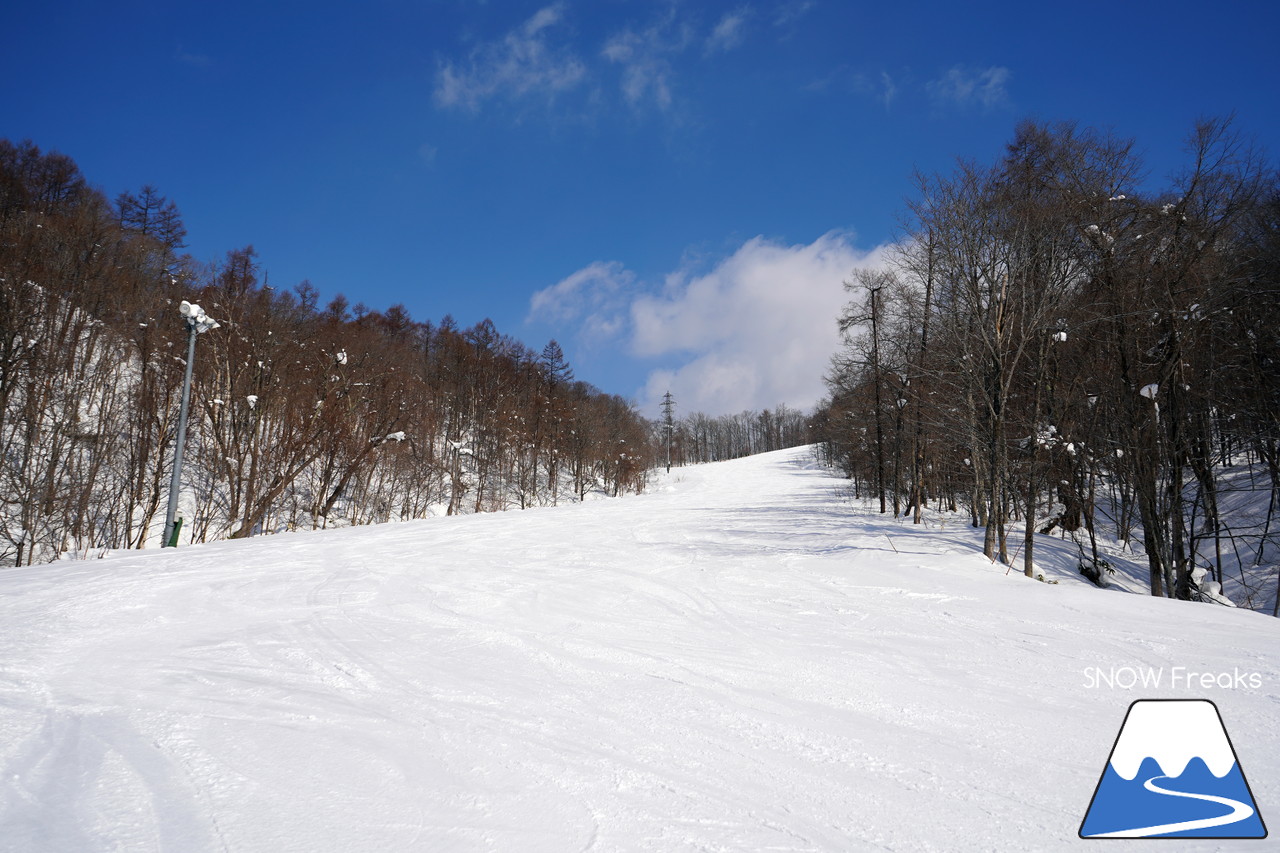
point(1173, 773)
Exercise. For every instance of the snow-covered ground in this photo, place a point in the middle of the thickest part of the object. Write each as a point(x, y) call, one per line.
point(734, 661)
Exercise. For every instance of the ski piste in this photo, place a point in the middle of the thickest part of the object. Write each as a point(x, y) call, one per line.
point(739, 659)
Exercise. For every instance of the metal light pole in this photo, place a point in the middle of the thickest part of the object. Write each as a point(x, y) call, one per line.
point(198, 323)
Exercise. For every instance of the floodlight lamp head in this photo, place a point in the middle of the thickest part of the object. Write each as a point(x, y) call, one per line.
point(185, 309)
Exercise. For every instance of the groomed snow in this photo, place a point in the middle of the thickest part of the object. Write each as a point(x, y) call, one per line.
point(738, 660)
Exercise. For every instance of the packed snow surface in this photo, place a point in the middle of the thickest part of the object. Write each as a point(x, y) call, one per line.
point(737, 660)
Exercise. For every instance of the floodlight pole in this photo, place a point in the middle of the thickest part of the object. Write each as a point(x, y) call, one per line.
point(197, 321)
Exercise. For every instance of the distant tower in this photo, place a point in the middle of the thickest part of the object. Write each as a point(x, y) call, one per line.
point(668, 407)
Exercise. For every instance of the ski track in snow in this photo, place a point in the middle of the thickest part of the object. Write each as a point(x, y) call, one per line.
point(734, 661)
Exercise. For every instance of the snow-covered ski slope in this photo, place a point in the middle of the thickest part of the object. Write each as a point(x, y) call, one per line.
point(735, 661)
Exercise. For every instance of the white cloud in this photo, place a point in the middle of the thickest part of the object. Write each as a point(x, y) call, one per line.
point(536, 61)
point(791, 12)
point(962, 87)
point(647, 79)
point(729, 32)
point(882, 87)
point(645, 58)
point(523, 63)
point(593, 299)
point(755, 330)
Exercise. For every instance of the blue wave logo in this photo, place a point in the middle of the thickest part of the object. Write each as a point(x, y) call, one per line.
point(1173, 773)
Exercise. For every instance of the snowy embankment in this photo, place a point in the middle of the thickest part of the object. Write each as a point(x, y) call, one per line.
point(735, 661)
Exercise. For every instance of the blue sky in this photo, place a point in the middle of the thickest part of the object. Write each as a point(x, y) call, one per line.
point(673, 190)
